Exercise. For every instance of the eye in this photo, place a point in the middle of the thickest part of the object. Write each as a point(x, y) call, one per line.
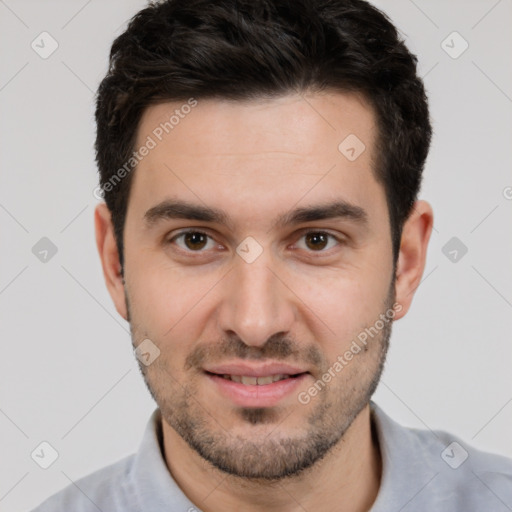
point(318, 241)
point(193, 241)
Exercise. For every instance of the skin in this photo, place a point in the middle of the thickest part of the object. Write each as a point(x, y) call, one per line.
point(299, 302)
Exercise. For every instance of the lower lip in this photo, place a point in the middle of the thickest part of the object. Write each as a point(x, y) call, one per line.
point(267, 395)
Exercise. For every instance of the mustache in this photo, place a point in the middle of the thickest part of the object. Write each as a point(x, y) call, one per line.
point(278, 347)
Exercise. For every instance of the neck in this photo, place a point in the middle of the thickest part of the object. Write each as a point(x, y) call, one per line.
point(347, 479)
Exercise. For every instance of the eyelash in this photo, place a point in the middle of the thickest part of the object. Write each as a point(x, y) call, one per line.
point(304, 234)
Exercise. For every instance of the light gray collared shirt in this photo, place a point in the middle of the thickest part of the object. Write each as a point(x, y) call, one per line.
point(422, 471)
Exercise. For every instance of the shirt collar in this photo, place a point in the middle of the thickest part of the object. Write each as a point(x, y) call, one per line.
point(405, 462)
point(151, 482)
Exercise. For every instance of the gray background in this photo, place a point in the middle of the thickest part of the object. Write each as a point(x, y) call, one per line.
point(68, 373)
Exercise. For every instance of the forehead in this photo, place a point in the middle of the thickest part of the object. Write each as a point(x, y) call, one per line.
point(294, 123)
point(258, 155)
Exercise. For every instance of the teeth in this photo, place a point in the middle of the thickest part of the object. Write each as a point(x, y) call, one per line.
point(265, 380)
point(253, 381)
point(249, 381)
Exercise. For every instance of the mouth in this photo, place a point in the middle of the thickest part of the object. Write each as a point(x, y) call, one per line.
point(261, 388)
point(248, 380)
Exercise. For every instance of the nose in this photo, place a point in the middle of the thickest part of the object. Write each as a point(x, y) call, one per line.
point(256, 303)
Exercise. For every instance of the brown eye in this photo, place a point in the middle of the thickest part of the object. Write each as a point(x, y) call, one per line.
point(193, 241)
point(317, 241)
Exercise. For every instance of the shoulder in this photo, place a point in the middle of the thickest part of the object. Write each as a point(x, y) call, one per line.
point(105, 489)
point(424, 469)
point(466, 477)
point(473, 477)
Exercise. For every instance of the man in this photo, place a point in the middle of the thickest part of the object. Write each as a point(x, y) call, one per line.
point(260, 163)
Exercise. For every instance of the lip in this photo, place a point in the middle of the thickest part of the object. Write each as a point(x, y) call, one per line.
point(255, 370)
point(267, 395)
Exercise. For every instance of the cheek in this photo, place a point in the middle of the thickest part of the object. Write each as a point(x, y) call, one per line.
point(342, 302)
point(166, 301)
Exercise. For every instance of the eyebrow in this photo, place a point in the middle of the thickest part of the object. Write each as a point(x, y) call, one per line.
point(178, 209)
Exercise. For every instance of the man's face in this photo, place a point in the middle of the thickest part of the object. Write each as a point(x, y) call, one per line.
point(259, 291)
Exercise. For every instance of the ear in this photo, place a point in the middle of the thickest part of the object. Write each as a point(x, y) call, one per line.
point(109, 255)
point(413, 252)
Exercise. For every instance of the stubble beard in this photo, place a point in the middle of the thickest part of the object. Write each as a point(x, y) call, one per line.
point(275, 456)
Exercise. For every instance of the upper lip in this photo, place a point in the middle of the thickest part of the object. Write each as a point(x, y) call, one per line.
point(254, 370)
